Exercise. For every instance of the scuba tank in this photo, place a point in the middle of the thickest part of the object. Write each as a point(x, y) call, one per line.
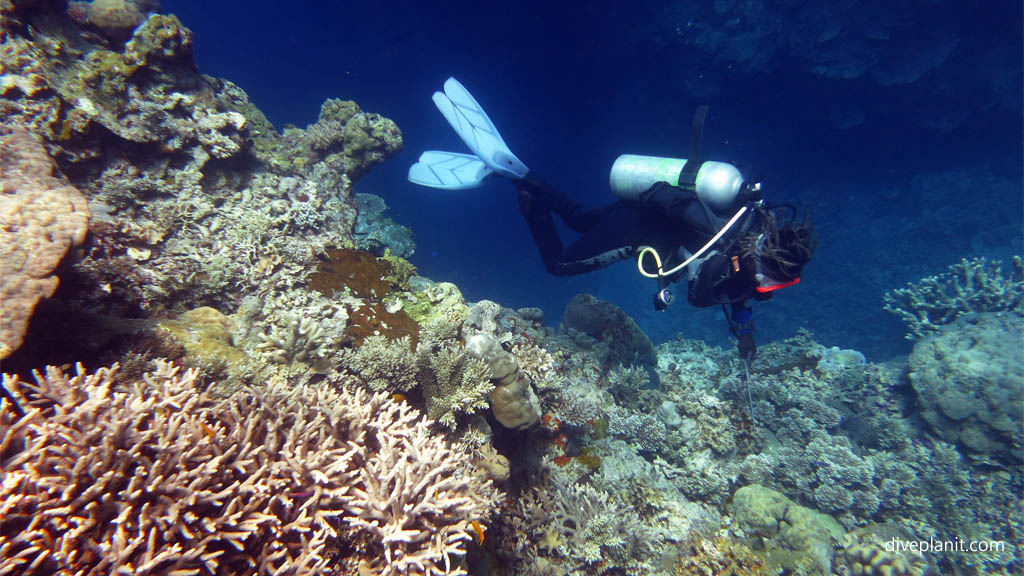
point(716, 183)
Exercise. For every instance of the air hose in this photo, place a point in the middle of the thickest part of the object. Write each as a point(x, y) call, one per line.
point(657, 258)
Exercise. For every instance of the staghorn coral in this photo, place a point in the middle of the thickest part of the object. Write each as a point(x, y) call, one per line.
point(587, 528)
point(453, 382)
point(969, 286)
point(41, 218)
point(163, 479)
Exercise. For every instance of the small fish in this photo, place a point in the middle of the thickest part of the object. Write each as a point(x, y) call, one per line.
point(208, 429)
point(479, 529)
point(400, 398)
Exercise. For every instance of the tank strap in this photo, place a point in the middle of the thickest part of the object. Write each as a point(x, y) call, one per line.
point(688, 175)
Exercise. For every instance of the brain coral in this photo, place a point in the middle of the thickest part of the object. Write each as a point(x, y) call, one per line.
point(116, 19)
point(41, 217)
point(968, 382)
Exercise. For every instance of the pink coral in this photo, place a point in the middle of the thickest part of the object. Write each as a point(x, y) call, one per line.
point(41, 217)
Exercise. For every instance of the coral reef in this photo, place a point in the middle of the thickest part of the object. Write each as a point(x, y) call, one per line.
point(968, 379)
point(41, 218)
point(721, 557)
point(786, 527)
point(196, 199)
point(218, 241)
point(865, 552)
point(610, 325)
point(275, 479)
point(513, 401)
point(376, 233)
point(968, 287)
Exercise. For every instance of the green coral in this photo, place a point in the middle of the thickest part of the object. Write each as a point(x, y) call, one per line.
point(442, 300)
point(382, 364)
point(453, 382)
point(336, 110)
point(400, 272)
point(970, 286)
point(793, 536)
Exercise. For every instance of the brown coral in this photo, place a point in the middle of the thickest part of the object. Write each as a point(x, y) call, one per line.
point(41, 217)
point(116, 19)
point(163, 479)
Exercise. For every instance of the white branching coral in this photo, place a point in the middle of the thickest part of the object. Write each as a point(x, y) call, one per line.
point(160, 478)
point(418, 509)
point(969, 286)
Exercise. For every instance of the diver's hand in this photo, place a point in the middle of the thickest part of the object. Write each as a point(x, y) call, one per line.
point(747, 347)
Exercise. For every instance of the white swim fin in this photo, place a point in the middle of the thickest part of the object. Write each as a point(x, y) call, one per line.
point(475, 128)
point(448, 170)
point(453, 171)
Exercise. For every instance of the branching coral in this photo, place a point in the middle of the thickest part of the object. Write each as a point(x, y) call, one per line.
point(454, 382)
point(382, 364)
point(163, 479)
point(969, 286)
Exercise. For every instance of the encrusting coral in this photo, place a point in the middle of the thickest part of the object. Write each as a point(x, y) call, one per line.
point(161, 478)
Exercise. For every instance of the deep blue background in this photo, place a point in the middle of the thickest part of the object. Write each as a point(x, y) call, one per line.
point(573, 85)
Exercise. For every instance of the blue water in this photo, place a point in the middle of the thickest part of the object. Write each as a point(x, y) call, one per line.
point(929, 172)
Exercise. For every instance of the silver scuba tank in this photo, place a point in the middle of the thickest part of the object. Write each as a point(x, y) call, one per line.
point(717, 183)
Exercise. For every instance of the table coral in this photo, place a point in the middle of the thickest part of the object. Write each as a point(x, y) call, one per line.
point(41, 218)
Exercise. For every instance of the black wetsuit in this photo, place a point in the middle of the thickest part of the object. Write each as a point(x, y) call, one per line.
point(664, 218)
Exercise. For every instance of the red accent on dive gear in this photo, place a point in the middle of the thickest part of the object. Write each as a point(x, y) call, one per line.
point(774, 287)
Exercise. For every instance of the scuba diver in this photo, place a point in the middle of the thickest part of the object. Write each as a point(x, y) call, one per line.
point(693, 220)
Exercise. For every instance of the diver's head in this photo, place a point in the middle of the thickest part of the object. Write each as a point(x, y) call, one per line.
point(780, 248)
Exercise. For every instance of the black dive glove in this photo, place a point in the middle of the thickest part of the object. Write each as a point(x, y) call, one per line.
point(747, 347)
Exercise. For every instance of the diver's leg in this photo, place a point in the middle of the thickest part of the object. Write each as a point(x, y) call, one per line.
point(576, 217)
point(608, 241)
point(542, 229)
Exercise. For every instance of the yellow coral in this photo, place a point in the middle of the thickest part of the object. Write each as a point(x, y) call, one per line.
point(866, 553)
point(720, 557)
